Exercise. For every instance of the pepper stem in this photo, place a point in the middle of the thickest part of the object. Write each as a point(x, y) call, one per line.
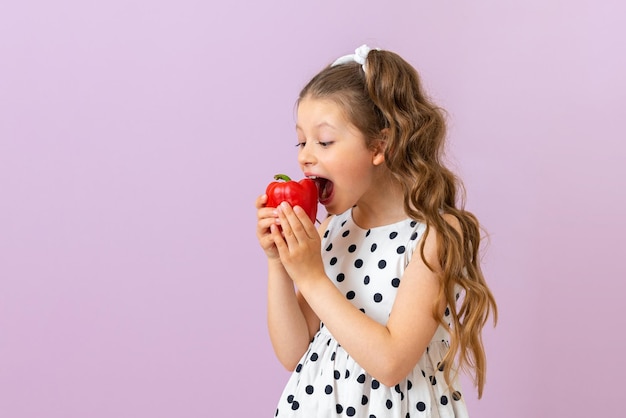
point(282, 177)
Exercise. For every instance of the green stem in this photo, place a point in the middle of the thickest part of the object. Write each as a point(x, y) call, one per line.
point(282, 177)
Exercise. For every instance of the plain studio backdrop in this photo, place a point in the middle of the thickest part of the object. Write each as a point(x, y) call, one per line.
point(135, 136)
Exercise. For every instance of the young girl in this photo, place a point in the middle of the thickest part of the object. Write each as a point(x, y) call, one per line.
point(389, 299)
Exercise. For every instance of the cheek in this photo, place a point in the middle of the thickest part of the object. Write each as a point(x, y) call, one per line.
point(357, 179)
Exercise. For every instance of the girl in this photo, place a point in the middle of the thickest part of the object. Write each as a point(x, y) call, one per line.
point(389, 299)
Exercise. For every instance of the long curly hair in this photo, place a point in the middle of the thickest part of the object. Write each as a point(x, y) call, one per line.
point(387, 96)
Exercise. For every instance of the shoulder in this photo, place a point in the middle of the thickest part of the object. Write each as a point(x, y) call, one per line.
point(432, 245)
point(454, 222)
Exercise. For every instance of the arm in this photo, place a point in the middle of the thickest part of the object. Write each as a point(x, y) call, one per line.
point(291, 322)
point(388, 352)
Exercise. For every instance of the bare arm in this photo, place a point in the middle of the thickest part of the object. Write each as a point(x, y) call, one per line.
point(291, 322)
point(388, 352)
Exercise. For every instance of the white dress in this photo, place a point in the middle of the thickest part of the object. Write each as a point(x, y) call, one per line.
point(367, 266)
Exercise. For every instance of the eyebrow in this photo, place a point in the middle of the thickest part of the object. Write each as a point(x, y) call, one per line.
point(319, 125)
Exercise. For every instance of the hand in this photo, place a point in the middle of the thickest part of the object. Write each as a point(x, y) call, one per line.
point(299, 244)
point(266, 218)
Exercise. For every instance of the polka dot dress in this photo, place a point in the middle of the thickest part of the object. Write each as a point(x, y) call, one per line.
point(367, 266)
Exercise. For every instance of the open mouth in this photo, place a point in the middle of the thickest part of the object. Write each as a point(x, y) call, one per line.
point(324, 188)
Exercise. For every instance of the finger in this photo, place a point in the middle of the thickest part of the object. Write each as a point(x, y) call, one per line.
point(264, 224)
point(287, 218)
point(279, 242)
point(307, 225)
point(295, 223)
point(264, 212)
point(260, 201)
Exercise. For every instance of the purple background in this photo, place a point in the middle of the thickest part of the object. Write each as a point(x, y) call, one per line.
point(135, 136)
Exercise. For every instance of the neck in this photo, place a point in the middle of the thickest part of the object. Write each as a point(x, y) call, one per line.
point(382, 205)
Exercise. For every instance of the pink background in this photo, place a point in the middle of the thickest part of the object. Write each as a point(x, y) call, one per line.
point(135, 136)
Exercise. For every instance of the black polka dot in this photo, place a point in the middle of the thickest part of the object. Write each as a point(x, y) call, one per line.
point(350, 295)
point(414, 236)
point(290, 399)
point(298, 368)
point(367, 234)
point(347, 374)
point(333, 261)
point(366, 280)
point(401, 249)
point(397, 389)
point(341, 277)
point(344, 222)
point(336, 374)
point(413, 223)
point(328, 389)
point(350, 411)
point(378, 298)
point(409, 385)
point(395, 282)
point(389, 404)
point(352, 248)
point(373, 247)
point(393, 235)
point(375, 384)
point(421, 406)
point(339, 408)
point(447, 311)
point(314, 357)
point(358, 263)
point(364, 400)
point(433, 380)
point(444, 400)
point(345, 233)
point(382, 264)
point(330, 247)
point(309, 389)
point(332, 356)
point(295, 405)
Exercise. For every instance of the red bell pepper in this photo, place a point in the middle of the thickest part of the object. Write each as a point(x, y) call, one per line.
point(302, 193)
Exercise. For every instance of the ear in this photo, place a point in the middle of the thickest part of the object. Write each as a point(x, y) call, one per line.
point(378, 155)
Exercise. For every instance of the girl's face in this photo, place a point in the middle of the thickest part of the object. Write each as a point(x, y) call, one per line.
point(334, 153)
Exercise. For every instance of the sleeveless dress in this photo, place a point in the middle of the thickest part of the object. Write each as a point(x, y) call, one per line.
point(367, 266)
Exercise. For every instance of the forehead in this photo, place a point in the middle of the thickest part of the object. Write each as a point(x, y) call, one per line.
point(314, 112)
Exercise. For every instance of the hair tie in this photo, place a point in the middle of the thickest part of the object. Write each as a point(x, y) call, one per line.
point(359, 56)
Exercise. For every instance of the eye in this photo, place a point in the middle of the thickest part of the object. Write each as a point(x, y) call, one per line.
point(300, 144)
point(324, 144)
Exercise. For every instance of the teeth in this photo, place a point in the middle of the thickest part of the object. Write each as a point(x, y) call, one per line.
point(313, 177)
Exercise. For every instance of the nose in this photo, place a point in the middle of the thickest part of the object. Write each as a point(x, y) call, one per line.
point(306, 156)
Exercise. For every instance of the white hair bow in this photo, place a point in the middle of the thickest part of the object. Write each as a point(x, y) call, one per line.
point(359, 56)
